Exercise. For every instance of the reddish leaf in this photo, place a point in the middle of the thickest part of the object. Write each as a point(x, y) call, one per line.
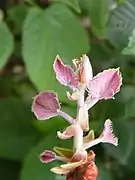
point(65, 74)
point(47, 156)
point(106, 84)
point(45, 105)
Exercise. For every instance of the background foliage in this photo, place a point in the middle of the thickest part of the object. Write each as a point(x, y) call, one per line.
point(32, 33)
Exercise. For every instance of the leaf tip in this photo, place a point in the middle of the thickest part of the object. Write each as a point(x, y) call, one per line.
point(108, 135)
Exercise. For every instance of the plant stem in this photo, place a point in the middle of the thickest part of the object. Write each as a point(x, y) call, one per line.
point(67, 117)
point(78, 138)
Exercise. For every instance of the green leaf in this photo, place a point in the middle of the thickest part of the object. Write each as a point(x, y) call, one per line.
point(124, 152)
point(108, 109)
point(9, 169)
point(130, 109)
point(17, 134)
point(33, 168)
point(46, 34)
point(99, 13)
point(1, 15)
point(103, 172)
point(127, 93)
point(6, 44)
point(17, 15)
point(121, 24)
point(102, 56)
point(52, 125)
point(130, 49)
point(72, 3)
point(127, 97)
point(120, 1)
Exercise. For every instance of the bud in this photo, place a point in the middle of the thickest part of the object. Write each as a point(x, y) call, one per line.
point(47, 156)
point(84, 69)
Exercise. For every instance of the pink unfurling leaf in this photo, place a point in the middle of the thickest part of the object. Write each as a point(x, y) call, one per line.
point(59, 170)
point(70, 132)
point(66, 168)
point(65, 74)
point(45, 105)
point(105, 84)
point(47, 156)
point(107, 136)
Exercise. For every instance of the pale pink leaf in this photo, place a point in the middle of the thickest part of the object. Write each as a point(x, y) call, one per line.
point(65, 74)
point(59, 170)
point(105, 84)
point(71, 166)
point(66, 168)
point(47, 156)
point(45, 105)
point(70, 132)
point(107, 136)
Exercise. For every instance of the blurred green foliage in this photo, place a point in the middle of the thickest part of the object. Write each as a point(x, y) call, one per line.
point(32, 33)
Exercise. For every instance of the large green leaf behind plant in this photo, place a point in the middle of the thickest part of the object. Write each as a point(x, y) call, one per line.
point(6, 43)
point(17, 134)
point(121, 24)
point(47, 33)
point(71, 3)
